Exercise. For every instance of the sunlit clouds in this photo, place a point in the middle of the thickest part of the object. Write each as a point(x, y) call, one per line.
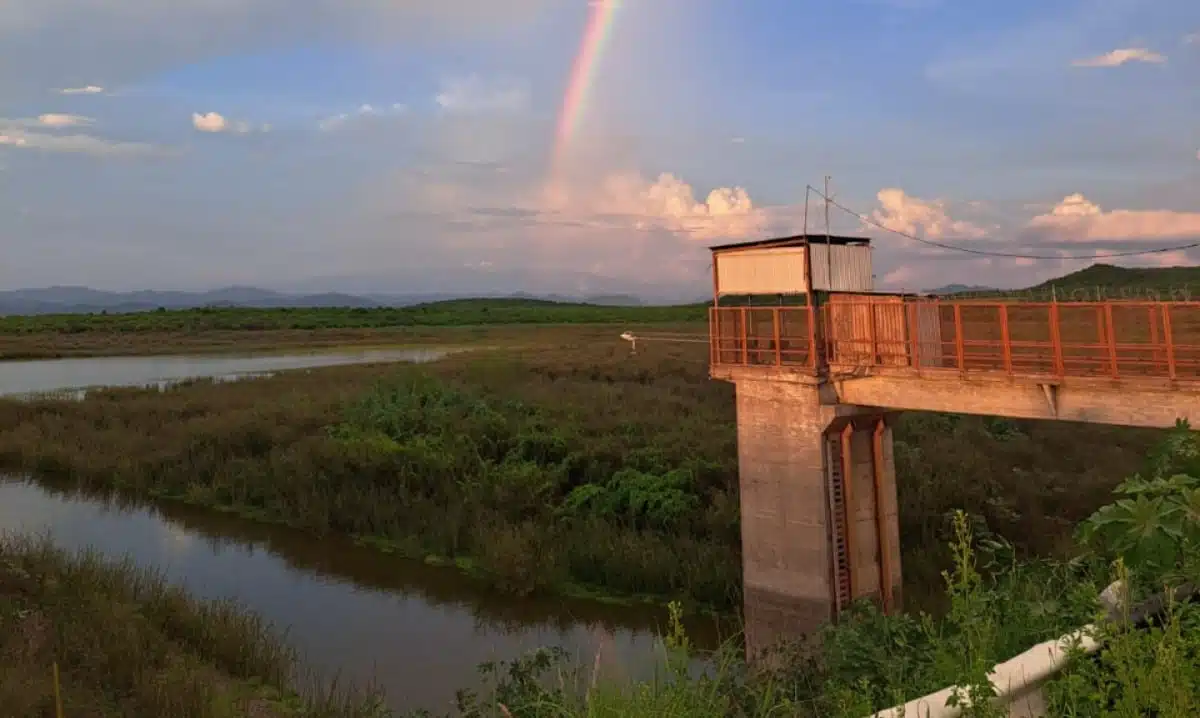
point(910, 215)
point(56, 119)
point(1078, 219)
point(668, 203)
point(215, 122)
point(1123, 56)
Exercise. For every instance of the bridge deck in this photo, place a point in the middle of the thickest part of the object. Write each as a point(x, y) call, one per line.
point(1041, 342)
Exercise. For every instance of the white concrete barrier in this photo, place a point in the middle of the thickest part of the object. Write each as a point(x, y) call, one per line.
point(1018, 681)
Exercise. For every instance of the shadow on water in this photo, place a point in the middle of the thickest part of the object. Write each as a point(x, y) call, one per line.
point(417, 631)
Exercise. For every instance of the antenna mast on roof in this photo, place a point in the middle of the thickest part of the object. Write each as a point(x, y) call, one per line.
point(828, 240)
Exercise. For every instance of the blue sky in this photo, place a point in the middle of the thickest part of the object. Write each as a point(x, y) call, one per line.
point(398, 146)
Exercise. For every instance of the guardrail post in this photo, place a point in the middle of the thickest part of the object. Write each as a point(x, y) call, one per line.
point(915, 334)
point(1169, 335)
point(745, 344)
point(1056, 341)
point(775, 330)
point(871, 332)
point(960, 350)
point(1005, 339)
point(1155, 348)
point(1110, 329)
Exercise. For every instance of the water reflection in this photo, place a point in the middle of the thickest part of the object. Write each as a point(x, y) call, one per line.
point(67, 376)
point(417, 631)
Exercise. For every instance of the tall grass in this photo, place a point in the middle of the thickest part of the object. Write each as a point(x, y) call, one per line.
point(999, 606)
point(565, 466)
point(114, 640)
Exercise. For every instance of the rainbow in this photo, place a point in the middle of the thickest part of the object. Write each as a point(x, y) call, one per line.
point(583, 73)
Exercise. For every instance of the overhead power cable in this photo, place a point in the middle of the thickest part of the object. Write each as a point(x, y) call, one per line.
point(984, 253)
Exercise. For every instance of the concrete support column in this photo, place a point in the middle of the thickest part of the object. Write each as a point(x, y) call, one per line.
point(811, 539)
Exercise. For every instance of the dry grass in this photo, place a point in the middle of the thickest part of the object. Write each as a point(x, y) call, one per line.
point(54, 345)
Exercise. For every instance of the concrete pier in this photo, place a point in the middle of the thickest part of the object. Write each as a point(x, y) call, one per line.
point(819, 380)
point(815, 536)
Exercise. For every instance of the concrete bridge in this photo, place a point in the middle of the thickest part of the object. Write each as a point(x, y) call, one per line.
point(818, 386)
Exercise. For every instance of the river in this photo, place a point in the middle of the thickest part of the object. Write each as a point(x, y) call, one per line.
point(416, 631)
point(67, 375)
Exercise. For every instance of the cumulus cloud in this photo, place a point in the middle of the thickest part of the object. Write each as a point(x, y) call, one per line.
point(476, 94)
point(85, 90)
point(209, 122)
point(900, 212)
point(216, 122)
point(1122, 56)
point(55, 119)
point(1076, 218)
point(629, 201)
point(1193, 39)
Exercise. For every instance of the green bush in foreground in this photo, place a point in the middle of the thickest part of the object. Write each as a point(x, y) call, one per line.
point(999, 607)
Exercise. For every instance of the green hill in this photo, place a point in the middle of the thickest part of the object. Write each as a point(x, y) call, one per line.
point(450, 313)
point(1100, 282)
point(1107, 276)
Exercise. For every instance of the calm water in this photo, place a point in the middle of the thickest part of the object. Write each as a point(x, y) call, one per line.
point(416, 631)
point(419, 632)
point(58, 375)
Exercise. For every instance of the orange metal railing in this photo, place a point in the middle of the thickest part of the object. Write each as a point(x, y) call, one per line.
point(1086, 339)
point(762, 336)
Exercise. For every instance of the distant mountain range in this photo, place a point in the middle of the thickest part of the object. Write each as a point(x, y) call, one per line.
point(79, 300)
point(590, 289)
point(959, 289)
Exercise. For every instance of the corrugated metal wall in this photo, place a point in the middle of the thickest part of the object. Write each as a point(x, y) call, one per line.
point(929, 346)
point(868, 329)
point(762, 271)
point(780, 270)
point(850, 266)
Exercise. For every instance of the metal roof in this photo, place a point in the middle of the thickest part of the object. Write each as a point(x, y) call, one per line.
point(798, 240)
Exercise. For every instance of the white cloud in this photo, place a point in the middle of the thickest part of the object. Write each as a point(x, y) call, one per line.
point(13, 135)
point(51, 120)
point(55, 119)
point(85, 90)
point(1076, 218)
point(216, 122)
point(1193, 39)
point(362, 112)
point(475, 94)
point(902, 277)
point(900, 212)
point(1122, 56)
point(209, 122)
point(627, 200)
